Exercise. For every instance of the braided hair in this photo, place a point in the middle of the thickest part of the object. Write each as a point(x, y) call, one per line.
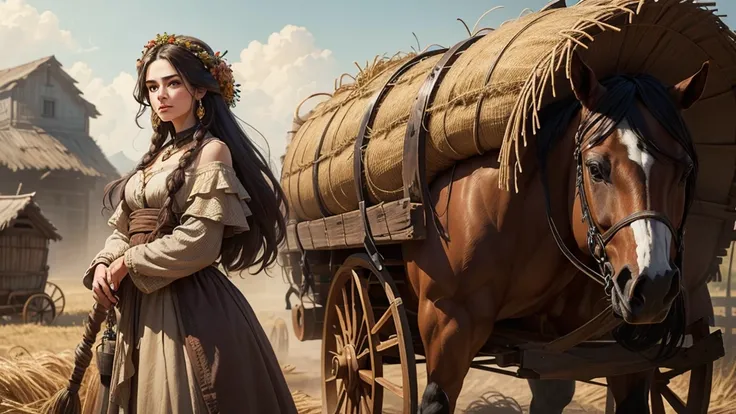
point(257, 247)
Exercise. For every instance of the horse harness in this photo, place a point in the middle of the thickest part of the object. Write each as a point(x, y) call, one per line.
point(597, 241)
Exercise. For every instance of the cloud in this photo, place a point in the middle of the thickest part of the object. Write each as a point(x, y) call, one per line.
point(30, 34)
point(274, 76)
point(115, 129)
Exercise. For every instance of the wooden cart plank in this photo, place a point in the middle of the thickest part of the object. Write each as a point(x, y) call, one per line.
point(391, 222)
point(581, 363)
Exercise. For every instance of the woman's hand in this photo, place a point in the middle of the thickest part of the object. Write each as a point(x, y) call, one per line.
point(117, 272)
point(100, 289)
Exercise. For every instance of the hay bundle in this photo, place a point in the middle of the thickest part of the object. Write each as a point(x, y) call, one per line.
point(29, 381)
point(669, 39)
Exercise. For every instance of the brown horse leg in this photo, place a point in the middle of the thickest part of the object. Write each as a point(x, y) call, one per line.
point(452, 332)
point(550, 396)
point(631, 392)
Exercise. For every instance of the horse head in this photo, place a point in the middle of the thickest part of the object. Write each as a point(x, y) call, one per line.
point(635, 174)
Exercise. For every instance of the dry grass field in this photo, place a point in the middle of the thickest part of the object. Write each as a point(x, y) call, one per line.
point(36, 361)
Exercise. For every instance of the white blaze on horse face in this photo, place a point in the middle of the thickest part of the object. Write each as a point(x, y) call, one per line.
point(652, 237)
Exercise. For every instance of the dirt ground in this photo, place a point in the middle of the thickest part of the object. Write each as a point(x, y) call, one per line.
point(482, 393)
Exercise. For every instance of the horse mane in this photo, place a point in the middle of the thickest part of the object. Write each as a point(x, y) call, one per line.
point(619, 103)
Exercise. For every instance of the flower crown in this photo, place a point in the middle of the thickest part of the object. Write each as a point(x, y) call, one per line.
point(216, 64)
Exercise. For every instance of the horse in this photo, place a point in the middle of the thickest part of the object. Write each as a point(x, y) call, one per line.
point(616, 164)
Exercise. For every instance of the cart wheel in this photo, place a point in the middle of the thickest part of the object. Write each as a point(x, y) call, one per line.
point(307, 322)
point(701, 380)
point(56, 295)
point(279, 338)
point(354, 343)
point(39, 309)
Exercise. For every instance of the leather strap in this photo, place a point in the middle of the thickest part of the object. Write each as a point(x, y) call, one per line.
point(361, 140)
point(414, 161)
point(600, 324)
point(315, 170)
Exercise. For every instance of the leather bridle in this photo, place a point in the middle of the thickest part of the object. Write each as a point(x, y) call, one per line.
point(597, 240)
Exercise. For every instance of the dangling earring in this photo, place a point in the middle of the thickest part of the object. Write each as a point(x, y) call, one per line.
point(155, 120)
point(200, 110)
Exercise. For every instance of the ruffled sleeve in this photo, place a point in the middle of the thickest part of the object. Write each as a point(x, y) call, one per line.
point(217, 194)
point(214, 207)
point(115, 245)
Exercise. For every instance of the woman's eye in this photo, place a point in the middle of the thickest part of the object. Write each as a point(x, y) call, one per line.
point(152, 88)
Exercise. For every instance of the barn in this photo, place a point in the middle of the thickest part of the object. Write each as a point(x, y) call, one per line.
point(46, 149)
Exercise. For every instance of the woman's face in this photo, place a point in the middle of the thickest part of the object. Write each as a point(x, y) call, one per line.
point(169, 94)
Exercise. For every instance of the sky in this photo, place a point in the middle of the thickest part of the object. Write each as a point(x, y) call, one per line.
point(281, 50)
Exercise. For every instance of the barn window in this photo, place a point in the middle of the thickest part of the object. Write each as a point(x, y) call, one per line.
point(49, 108)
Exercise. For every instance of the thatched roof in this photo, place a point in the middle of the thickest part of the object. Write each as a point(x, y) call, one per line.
point(10, 77)
point(16, 206)
point(33, 148)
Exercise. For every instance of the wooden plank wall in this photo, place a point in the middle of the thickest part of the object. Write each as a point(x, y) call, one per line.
point(392, 222)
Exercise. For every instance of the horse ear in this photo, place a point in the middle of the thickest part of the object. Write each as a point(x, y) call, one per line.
point(585, 84)
point(687, 92)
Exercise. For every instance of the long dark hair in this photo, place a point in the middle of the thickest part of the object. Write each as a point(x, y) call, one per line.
point(259, 246)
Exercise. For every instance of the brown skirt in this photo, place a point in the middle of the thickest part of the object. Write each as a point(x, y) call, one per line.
point(235, 367)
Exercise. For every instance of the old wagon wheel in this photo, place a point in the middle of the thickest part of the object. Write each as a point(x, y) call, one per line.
point(701, 380)
point(57, 296)
point(39, 308)
point(353, 350)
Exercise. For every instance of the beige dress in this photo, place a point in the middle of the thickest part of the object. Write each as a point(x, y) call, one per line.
point(180, 307)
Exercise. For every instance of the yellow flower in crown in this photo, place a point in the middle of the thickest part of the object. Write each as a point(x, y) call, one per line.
point(215, 63)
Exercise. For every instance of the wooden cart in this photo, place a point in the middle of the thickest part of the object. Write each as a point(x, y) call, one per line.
point(351, 264)
point(24, 246)
point(329, 281)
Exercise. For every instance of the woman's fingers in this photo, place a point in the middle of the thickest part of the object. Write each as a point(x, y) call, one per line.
point(99, 296)
point(106, 289)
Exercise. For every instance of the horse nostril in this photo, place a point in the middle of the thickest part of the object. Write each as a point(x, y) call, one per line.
point(637, 293)
point(622, 280)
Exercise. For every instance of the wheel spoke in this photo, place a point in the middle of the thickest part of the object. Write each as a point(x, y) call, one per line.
point(347, 305)
point(674, 401)
point(386, 384)
point(341, 399)
point(366, 375)
point(391, 342)
point(657, 402)
point(354, 312)
point(338, 341)
point(365, 401)
point(341, 320)
point(669, 375)
point(382, 321)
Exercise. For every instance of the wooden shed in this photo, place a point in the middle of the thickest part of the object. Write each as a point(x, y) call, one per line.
point(46, 148)
point(25, 236)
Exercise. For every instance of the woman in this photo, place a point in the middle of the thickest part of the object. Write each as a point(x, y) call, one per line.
point(188, 342)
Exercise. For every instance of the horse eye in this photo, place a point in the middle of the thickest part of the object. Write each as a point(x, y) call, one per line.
point(596, 172)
